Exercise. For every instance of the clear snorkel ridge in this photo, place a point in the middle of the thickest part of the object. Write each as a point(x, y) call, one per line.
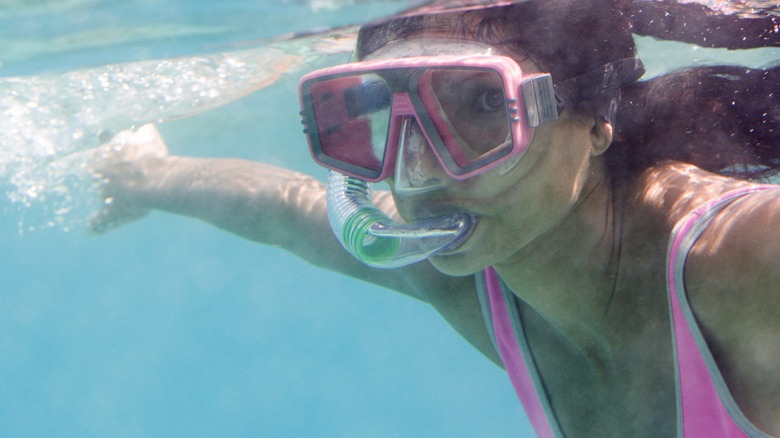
point(376, 240)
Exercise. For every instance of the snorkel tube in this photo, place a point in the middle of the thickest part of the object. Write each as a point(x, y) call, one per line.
point(376, 240)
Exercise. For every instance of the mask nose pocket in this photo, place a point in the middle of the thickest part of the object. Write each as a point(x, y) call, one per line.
point(417, 170)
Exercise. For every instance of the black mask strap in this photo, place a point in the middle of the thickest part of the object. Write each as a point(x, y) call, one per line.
point(601, 85)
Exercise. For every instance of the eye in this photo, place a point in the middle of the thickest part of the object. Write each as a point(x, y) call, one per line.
point(491, 101)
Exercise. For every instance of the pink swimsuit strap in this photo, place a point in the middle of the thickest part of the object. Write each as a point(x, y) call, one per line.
point(705, 407)
point(512, 357)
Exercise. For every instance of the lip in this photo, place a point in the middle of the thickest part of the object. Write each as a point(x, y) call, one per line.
point(418, 210)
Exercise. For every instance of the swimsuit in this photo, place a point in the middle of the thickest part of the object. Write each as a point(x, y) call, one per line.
point(705, 407)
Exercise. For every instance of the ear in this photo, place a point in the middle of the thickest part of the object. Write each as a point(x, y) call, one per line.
point(600, 136)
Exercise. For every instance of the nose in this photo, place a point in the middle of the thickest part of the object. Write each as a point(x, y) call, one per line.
point(417, 170)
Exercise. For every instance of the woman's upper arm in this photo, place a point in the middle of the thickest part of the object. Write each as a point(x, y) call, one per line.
point(733, 283)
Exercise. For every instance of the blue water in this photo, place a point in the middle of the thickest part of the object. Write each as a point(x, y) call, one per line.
point(169, 327)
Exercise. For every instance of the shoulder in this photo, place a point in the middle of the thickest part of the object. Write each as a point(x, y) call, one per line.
point(733, 270)
point(676, 189)
point(740, 249)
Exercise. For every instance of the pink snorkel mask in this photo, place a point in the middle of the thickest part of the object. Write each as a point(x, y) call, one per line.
point(475, 112)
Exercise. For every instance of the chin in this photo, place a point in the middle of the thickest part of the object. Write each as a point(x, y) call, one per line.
point(462, 260)
point(455, 265)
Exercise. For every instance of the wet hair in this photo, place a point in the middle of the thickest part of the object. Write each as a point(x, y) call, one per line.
point(568, 38)
point(724, 119)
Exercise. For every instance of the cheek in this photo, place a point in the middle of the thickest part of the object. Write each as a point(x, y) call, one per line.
point(561, 171)
point(540, 197)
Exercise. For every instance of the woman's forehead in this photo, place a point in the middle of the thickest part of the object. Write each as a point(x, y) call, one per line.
point(450, 6)
point(437, 46)
point(432, 46)
point(456, 33)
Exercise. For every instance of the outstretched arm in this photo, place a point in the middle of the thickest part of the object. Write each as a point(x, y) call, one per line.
point(257, 201)
point(269, 205)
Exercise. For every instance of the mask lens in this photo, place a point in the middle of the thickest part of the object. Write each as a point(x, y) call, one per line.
point(352, 117)
point(464, 113)
point(468, 108)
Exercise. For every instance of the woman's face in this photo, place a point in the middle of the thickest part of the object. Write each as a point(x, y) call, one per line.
point(513, 205)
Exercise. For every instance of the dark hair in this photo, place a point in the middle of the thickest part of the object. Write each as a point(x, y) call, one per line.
point(724, 119)
point(568, 38)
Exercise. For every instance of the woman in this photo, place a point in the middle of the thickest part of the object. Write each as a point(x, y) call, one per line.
point(572, 225)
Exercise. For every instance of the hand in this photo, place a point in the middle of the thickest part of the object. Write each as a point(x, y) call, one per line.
point(122, 164)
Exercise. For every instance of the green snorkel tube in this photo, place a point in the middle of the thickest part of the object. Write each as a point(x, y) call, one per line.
point(376, 240)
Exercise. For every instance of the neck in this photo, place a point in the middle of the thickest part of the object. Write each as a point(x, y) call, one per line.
point(569, 274)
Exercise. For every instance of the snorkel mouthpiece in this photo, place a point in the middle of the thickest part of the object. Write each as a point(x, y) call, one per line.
point(375, 239)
